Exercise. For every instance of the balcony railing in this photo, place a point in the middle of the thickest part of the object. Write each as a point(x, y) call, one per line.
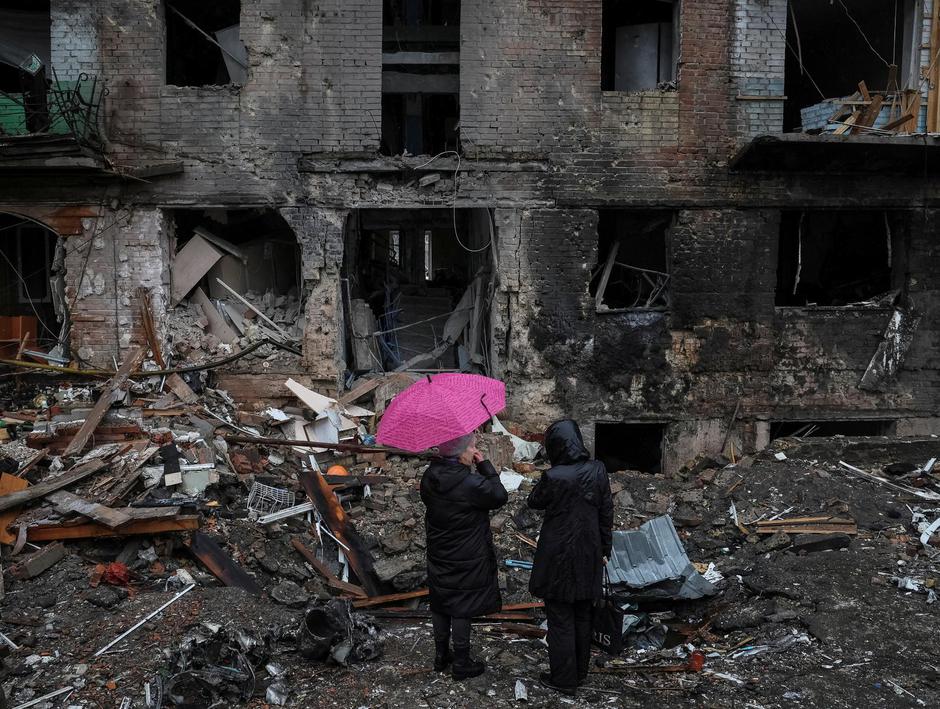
point(65, 108)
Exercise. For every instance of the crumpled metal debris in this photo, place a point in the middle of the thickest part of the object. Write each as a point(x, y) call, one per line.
point(330, 630)
point(650, 562)
point(215, 666)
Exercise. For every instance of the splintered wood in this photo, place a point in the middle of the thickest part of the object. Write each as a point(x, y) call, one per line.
point(823, 524)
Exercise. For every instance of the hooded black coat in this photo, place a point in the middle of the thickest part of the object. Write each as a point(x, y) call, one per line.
point(461, 558)
point(579, 512)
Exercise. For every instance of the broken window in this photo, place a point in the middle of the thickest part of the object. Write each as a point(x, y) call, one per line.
point(203, 47)
point(24, 66)
point(834, 46)
point(834, 258)
point(630, 446)
point(824, 429)
point(639, 44)
point(420, 76)
point(416, 284)
point(633, 260)
point(236, 273)
point(27, 255)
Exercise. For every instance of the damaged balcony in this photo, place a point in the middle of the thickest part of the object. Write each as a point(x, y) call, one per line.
point(46, 122)
point(860, 90)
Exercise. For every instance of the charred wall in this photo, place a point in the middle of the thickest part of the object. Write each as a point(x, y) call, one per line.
point(545, 148)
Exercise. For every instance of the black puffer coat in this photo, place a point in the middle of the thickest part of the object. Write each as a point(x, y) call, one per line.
point(461, 558)
point(579, 512)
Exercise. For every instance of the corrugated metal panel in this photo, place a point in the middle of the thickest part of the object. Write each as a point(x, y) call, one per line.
point(653, 554)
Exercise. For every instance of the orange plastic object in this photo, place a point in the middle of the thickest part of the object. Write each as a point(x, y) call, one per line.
point(337, 470)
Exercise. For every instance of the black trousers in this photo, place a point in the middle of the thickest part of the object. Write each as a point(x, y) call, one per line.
point(444, 625)
point(569, 640)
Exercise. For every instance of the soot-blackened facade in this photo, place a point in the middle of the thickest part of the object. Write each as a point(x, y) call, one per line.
point(731, 293)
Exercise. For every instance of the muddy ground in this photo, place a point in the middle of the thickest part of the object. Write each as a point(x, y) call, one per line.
point(827, 628)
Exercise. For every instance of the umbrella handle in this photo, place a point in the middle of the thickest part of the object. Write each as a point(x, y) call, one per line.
point(483, 404)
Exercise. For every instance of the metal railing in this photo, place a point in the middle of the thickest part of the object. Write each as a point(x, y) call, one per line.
point(65, 108)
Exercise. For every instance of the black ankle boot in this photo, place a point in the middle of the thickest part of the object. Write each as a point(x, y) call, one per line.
point(442, 656)
point(545, 679)
point(465, 666)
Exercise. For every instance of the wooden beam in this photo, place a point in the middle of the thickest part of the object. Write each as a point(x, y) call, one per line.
point(217, 324)
point(332, 579)
point(221, 564)
point(605, 277)
point(381, 600)
point(248, 305)
point(66, 502)
point(9, 483)
point(37, 492)
point(104, 402)
point(51, 532)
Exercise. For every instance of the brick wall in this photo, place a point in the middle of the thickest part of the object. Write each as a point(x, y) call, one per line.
point(117, 253)
point(530, 91)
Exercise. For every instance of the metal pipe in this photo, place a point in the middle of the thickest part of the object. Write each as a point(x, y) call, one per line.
point(346, 447)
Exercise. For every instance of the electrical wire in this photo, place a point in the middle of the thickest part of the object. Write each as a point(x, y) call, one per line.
point(454, 202)
point(29, 298)
point(864, 36)
point(794, 52)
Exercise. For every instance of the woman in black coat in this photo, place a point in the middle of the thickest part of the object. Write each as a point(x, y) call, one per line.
point(572, 550)
point(461, 558)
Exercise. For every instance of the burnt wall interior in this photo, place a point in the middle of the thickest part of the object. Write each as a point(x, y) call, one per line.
point(554, 154)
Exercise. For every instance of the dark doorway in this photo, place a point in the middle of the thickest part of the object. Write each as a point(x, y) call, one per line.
point(407, 271)
point(28, 285)
point(630, 446)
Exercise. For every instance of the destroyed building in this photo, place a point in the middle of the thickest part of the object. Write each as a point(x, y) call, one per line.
point(685, 223)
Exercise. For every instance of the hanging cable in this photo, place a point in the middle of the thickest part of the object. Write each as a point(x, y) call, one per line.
point(454, 202)
point(864, 36)
point(794, 53)
point(29, 298)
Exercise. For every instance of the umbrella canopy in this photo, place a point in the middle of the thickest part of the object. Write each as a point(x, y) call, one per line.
point(439, 408)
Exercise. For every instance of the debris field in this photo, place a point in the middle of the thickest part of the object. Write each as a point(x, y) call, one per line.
point(205, 552)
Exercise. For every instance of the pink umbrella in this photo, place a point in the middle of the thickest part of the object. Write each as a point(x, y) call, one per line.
point(440, 408)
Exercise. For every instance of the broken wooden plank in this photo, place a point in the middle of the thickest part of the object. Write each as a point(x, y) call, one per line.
point(32, 463)
point(191, 264)
point(360, 390)
point(809, 529)
point(605, 277)
point(336, 520)
point(132, 475)
point(39, 491)
point(217, 324)
point(50, 532)
point(66, 502)
point(332, 579)
point(131, 362)
point(391, 598)
point(38, 562)
point(146, 317)
point(181, 389)
point(221, 564)
point(253, 308)
point(9, 483)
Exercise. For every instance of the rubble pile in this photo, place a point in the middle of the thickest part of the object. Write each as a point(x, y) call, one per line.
point(187, 554)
